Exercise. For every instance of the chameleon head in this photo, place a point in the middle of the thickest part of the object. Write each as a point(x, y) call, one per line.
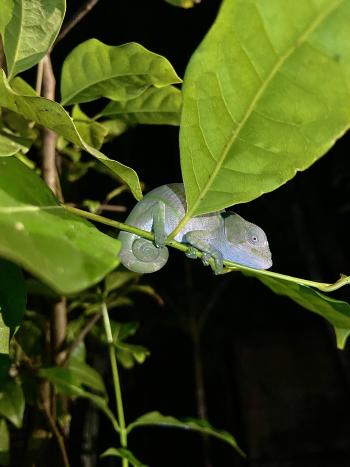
point(247, 242)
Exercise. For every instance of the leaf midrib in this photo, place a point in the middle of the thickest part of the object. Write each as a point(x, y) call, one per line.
point(300, 41)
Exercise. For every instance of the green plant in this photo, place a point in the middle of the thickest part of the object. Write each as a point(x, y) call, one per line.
point(241, 135)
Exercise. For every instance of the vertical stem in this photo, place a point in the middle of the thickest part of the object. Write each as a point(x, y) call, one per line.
point(116, 381)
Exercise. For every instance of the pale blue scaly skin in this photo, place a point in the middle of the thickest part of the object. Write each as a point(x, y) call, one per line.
point(219, 235)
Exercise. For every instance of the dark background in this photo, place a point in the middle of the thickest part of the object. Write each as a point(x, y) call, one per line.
point(273, 376)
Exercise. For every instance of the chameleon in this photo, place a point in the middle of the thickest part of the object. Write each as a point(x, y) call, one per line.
point(219, 235)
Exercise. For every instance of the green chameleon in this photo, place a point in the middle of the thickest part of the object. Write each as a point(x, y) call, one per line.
point(219, 235)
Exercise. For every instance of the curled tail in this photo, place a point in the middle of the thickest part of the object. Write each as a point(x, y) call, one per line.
point(141, 255)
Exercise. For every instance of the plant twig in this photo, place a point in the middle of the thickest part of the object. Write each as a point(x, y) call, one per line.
point(76, 18)
point(39, 76)
point(49, 137)
point(57, 435)
point(229, 265)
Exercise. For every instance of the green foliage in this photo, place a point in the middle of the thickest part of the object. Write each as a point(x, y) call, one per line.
point(71, 382)
point(202, 426)
point(94, 70)
point(52, 115)
point(29, 29)
point(153, 107)
point(183, 3)
point(11, 144)
point(242, 133)
point(32, 221)
point(12, 402)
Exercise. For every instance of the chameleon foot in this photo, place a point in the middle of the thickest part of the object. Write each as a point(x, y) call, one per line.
point(191, 253)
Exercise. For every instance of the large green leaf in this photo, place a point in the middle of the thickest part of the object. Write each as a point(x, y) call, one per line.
point(265, 95)
point(157, 419)
point(153, 107)
point(68, 383)
point(123, 454)
point(13, 295)
point(94, 70)
point(29, 31)
point(52, 115)
point(12, 402)
point(64, 251)
point(336, 312)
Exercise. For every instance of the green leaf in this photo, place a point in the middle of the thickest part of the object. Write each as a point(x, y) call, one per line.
point(128, 354)
point(118, 279)
point(157, 419)
point(336, 312)
point(4, 340)
point(86, 375)
point(93, 70)
point(4, 443)
point(32, 222)
point(68, 384)
point(92, 132)
point(30, 32)
point(52, 115)
point(13, 296)
point(183, 3)
point(11, 144)
point(152, 107)
point(12, 402)
point(124, 454)
point(266, 94)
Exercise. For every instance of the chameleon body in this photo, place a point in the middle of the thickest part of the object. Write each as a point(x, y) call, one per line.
point(219, 235)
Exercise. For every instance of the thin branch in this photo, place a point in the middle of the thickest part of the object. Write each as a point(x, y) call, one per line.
point(76, 18)
point(39, 76)
point(229, 265)
point(58, 436)
point(49, 137)
point(58, 328)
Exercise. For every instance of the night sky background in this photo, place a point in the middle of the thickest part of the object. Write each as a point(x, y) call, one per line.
point(273, 376)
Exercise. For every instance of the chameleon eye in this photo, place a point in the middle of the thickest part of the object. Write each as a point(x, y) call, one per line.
point(256, 237)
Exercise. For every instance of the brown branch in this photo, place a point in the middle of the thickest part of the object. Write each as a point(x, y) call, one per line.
point(49, 137)
point(58, 328)
point(76, 18)
point(58, 317)
point(59, 438)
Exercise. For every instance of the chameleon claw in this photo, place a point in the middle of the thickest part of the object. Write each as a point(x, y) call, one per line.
point(160, 240)
point(191, 253)
point(206, 258)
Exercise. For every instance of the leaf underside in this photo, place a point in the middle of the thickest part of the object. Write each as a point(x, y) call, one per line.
point(269, 104)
